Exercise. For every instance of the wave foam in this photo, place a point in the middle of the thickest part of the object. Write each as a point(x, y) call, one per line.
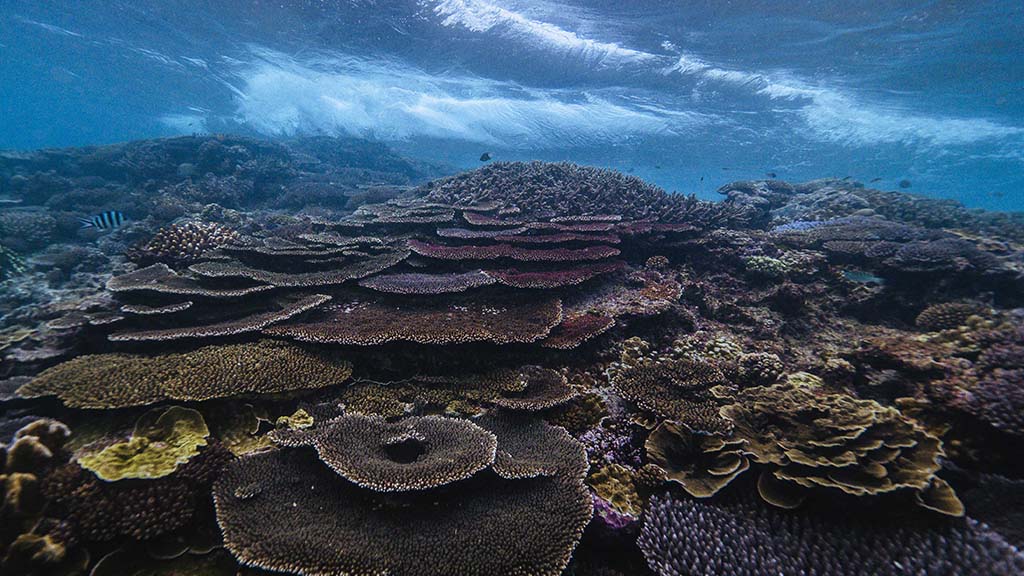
point(392, 102)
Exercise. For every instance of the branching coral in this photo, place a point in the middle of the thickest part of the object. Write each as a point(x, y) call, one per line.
point(182, 243)
point(741, 536)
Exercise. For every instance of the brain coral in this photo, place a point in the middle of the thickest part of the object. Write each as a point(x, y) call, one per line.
point(740, 536)
point(412, 454)
point(122, 380)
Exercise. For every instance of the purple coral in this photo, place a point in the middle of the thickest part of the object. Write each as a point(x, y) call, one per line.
point(741, 536)
point(613, 442)
point(611, 518)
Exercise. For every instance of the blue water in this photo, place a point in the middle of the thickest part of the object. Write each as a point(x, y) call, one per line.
point(689, 95)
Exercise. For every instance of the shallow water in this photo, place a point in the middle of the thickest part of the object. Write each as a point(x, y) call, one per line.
point(475, 288)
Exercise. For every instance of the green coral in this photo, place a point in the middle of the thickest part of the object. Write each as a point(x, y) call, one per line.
point(766, 266)
point(617, 484)
point(162, 440)
point(297, 421)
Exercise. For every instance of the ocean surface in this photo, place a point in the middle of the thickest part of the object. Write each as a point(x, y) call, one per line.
point(688, 95)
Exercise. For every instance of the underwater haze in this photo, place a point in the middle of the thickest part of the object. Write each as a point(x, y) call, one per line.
point(688, 95)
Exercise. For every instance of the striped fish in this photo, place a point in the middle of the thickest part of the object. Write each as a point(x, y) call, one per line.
point(109, 220)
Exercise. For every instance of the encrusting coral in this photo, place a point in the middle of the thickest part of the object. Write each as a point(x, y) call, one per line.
point(161, 442)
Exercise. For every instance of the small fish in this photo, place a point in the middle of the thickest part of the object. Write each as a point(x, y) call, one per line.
point(904, 183)
point(845, 178)
point(485, 156)
point(862, 277)
point(873, 180)
point(701, 178)
point(772, 175)
point(109, 220)
point(999, 194)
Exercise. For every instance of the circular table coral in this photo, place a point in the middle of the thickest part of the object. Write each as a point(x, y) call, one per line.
point(412, 454)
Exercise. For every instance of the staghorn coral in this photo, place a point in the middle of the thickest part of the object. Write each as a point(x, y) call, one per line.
point(741, 536)
point(415, 453)
point(121, 380)
point(182, 243)
point(161, 442)
point(446, 322)
point(998, 399)
point(701, 463)
point(11, 264)
point(811, 439)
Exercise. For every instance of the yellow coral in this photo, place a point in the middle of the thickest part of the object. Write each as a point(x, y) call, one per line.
point(162, 440)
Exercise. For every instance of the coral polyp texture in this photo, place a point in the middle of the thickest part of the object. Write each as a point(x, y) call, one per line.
point(121, 380)
point(414, 454)
point(745, 537)
point(488, 524)
point(306, 358)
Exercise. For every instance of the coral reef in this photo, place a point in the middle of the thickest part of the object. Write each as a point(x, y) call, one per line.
point(161, 442)
point(183, 243)
point(121, 380)
point(742, 536)
point(356, 530)
point(514, 370)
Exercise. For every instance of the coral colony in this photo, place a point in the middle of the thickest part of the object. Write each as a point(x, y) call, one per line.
point(287, 358)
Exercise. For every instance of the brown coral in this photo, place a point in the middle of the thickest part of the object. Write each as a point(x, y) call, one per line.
point(446, 322)
point(413, 454)
point(812, 439)
point(182, 243)
point(121, 380)
point(701, 463)
point(677, 390)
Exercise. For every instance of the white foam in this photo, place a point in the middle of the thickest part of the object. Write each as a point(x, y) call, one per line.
point(391, 101)
point(185, 123)
point(482, 16)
